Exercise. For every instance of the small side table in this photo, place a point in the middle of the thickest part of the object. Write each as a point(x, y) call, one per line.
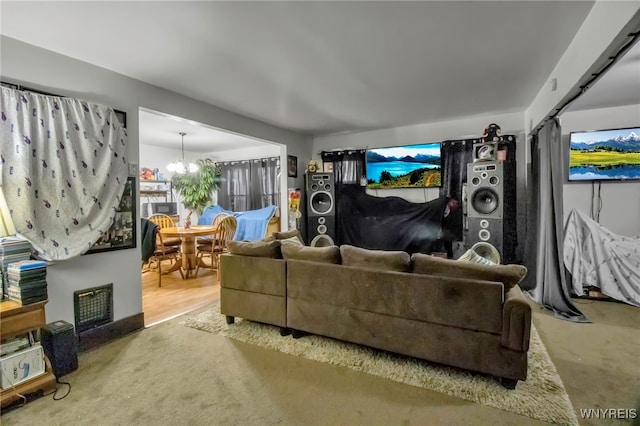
point(17, 319)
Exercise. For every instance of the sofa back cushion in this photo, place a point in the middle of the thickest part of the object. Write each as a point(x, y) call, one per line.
point(289, 234)
point(330, 254)
point(508, 275)
point(398, 261)
point(269, 249)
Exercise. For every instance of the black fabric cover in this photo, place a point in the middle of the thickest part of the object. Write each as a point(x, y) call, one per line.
point(149, 230)
point(389, 223)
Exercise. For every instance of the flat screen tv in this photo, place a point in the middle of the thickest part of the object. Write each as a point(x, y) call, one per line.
point(605, 155)
point(408, 166)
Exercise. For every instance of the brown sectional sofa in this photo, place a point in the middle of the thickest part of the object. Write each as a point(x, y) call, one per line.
point(477, 324)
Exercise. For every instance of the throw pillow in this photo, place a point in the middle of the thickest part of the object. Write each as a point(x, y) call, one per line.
point(330, 254)
point(398, 261)
point(292, 241)
point(509, 275)
point(289, 234)
point(256, 248)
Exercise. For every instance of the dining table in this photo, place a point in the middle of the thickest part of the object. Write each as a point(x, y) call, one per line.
point(188, 238)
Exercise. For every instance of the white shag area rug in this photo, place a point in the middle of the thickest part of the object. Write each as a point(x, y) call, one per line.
point(542, 396)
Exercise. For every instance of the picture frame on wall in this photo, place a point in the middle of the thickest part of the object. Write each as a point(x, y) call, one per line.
point(122, 233)
point(122, 117)
point(292, 166)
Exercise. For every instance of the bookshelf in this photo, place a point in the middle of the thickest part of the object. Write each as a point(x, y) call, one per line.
point(16, 319)
point(156, 189)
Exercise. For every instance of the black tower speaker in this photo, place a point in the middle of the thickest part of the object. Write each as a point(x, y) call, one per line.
point(59, 344)
point(485, 204)
point(321, 209)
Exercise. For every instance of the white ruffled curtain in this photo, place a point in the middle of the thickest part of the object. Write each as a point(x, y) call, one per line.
point(63, 170)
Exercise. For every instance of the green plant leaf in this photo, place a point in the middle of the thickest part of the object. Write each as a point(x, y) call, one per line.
point(196, 188)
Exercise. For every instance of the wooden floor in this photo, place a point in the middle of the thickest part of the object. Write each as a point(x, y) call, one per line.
point(176, 296)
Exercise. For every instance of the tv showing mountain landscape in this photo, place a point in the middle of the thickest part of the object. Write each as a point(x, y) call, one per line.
point(605, 155)
point(409, 166)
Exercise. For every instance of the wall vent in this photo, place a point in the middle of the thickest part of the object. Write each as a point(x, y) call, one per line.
point(93, 307)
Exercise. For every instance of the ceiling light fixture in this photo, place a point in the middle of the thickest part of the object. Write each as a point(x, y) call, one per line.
point(182, 167)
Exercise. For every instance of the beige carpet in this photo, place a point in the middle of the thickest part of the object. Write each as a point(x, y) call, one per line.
point(542, 396)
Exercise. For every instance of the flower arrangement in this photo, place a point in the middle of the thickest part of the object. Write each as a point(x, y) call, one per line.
point(187, 222)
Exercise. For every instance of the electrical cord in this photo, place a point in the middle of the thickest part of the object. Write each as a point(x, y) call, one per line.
point(55, 398)
point(596, 201)
point(18, 394)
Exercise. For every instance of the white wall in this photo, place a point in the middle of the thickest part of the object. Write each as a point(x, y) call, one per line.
point(603, 26)
point(158, 157)
point(471, 127)
point(51, 72)
point(153, 157)
point(510, 123)
point(264, 151)
point(620, 200)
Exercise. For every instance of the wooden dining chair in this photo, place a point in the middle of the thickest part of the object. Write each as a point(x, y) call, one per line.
point(164, 252)
point(217, 244)
point(215, 221)
point(165, 221)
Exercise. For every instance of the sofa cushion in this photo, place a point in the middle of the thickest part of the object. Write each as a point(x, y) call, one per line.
point(288, 234)
point(508, 275)
point(330, 254)
point(398, 261)
point(256, 248)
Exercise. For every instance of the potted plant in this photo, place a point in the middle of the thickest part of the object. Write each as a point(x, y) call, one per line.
point(195, 188)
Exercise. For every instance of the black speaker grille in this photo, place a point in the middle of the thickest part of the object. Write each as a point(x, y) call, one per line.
point(485, 200)
point(321, 202)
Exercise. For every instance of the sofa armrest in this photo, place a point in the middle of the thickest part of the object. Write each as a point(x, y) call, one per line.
point(516, 320)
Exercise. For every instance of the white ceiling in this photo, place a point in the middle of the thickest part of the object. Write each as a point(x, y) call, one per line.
point(162, 130)
point(620, 85)
point(314, 67)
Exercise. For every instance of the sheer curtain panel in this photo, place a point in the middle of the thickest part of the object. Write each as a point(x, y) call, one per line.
point(249, 184)
point(64, 167)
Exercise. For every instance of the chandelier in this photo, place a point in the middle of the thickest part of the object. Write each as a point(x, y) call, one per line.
point(182, 167)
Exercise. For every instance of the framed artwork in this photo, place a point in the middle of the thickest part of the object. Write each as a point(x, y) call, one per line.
point(122, 234)
point(122, 117)
point(292, 166)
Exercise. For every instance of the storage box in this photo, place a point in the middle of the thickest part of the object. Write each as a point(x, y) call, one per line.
point(21, 366)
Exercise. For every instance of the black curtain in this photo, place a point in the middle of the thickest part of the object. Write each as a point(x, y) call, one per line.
point(348, 170)
point(348, 167)
point(455, 155)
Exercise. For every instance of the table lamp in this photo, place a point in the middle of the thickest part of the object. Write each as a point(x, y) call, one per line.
point(6, 224)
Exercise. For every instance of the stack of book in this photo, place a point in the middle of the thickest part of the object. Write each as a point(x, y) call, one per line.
point(12, 249)
point(27, 281)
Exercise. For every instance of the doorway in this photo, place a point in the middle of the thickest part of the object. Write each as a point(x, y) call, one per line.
point(161, 143)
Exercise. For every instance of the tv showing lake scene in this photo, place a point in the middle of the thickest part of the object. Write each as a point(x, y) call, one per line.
point(409, 166)
point(605, 155)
